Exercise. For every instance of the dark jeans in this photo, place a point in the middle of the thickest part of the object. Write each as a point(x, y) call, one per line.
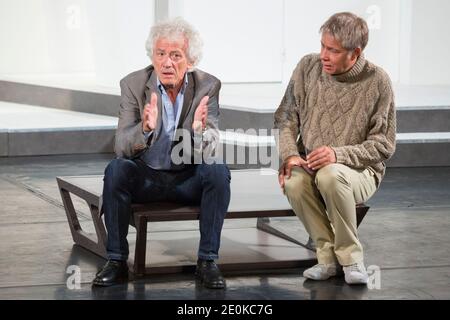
point(132, 181)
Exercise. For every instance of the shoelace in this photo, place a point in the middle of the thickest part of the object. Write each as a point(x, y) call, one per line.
point(355, 267)
point(319, 266)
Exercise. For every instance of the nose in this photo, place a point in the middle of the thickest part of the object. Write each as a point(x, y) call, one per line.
point(167, 63)
point(324, 54)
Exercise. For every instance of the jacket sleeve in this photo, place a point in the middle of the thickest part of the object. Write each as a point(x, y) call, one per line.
point(206, 144)
point(380, 142)
point(130, 138)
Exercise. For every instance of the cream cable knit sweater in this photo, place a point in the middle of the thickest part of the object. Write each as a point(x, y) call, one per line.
point(353, 113)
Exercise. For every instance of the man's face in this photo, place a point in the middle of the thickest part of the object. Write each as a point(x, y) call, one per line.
point(170, 61)
point(336, 59)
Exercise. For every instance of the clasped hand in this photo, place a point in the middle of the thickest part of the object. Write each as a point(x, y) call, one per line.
point(316, 160)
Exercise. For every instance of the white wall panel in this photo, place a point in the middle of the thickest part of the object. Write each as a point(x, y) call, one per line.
point(105, 38)
point(430, 45)
point(304, 18)
point(251, 41)
point(243, 40)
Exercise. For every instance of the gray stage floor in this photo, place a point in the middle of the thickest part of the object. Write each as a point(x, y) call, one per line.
point(405, 234)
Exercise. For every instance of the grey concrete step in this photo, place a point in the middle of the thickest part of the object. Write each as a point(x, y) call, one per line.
point(423, 119)
point(409, 119)
point(30, 130)
point(422, 149)
point(56, 142)
point(101, 103)
point(425, 116)
point(423, 138)
point(238, 150)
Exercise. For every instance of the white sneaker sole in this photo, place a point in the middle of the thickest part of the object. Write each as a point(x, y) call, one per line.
point(360, 280)
point(316, 277)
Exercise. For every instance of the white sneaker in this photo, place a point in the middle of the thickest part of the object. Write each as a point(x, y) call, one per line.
point(321, 271)
point(356, 274)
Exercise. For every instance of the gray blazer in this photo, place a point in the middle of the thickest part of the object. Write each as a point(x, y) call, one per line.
point(136, 90)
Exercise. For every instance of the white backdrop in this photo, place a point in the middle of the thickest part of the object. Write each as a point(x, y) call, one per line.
point(305, 18)
point(104, 38)
point(245, 41)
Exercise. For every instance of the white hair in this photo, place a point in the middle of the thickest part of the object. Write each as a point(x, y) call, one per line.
point(173, 30)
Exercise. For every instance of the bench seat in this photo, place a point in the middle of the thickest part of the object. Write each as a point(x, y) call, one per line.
point(254, 194)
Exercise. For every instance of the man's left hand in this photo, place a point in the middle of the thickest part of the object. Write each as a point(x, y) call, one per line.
point(321, 157)
point(200, 115)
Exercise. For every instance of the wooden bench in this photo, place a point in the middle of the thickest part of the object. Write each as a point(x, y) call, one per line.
point(254, 194)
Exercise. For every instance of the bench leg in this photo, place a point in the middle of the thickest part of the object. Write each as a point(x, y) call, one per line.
point(100, 229)
point(79, 236)
point(141, 245)
point(361, 211)
point(264, 225)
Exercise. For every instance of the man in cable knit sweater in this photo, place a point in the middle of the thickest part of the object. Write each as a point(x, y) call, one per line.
point(336, 126)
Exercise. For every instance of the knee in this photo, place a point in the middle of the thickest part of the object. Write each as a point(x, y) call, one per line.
point(331, 178)
point(298, 181)
point(118, 170)
point(215, 173)
point(119, 165)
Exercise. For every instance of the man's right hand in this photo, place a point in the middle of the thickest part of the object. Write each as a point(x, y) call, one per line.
point(150, 114)
point(286, 168)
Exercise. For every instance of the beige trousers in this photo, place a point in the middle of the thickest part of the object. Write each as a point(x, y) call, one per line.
point(325, 203)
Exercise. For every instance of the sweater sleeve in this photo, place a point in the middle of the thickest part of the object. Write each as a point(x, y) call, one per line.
point(380, 142)
point(287, 116)
point(287, 123)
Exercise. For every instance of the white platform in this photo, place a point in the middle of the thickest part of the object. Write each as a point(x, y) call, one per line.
point(255, 97)
point(16, 117)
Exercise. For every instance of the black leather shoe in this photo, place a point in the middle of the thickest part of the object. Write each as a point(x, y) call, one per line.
point(113, 272)
point(209, 274)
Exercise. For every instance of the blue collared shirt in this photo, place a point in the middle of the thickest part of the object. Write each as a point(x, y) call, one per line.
point(171, 111)
point(158, 155)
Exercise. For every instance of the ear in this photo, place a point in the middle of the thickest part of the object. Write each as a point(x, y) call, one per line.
point(356, 53)
point(190, 65)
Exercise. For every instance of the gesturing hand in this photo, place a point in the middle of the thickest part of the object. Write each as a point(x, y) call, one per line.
point(321, 157)
point(150, 114)
point(200, 115)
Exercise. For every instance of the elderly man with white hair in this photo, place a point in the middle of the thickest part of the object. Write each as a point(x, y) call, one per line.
point(337, 127)
point(164, 106)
